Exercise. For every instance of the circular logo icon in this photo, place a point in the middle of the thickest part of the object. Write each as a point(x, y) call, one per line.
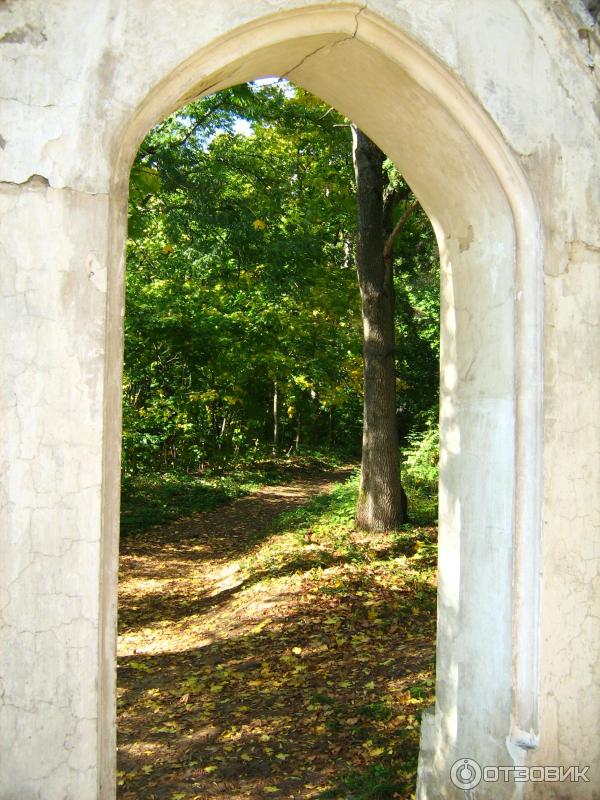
point(465, 773)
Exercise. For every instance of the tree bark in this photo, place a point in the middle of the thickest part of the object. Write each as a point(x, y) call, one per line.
point(380, 504)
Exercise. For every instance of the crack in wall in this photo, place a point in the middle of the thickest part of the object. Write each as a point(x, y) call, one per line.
point(327, 46)
point(37, 181)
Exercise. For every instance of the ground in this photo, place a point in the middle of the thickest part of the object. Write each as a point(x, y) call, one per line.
point(268, 650)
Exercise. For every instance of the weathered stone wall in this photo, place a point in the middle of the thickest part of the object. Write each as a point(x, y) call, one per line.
point(490, 110)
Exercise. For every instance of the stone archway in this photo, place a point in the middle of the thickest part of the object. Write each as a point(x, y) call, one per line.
point(423, 85)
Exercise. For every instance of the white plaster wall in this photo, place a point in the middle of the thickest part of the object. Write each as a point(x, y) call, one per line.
point(52, 321)
point(81, 82)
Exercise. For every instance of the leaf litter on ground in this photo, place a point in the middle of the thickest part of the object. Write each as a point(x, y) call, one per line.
point(268, 649)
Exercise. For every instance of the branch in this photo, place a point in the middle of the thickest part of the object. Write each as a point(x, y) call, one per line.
point(392, 197)
point(329, 110)
point(388, 248)
point(196, 125)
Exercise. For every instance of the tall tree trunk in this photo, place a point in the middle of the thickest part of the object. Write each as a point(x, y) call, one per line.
point(380, 503)
point(275, 417)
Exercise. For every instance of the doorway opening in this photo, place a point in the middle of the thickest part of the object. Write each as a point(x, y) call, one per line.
point(256, 635)
point(487, 232)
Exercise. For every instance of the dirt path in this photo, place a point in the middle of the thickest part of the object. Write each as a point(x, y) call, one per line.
point(240, 681)
point(173, 578)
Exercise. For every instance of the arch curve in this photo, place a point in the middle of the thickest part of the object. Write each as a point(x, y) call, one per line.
point(488, 230)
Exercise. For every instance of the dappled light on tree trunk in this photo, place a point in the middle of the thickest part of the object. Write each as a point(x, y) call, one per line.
point(380, 503)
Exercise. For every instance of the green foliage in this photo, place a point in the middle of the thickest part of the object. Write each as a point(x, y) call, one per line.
point(240, 275)
point(421, 458)
point(325, 512)
point(376, 782)
point(417, 279)
point(153, 498)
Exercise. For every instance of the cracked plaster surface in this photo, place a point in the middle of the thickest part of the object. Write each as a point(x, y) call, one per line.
point(51, 407)
point(73, 75)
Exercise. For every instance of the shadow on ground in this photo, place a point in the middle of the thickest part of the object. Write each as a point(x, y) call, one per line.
point(305, 678)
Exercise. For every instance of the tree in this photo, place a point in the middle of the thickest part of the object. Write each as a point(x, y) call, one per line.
point(240, 278)
point(381, 501)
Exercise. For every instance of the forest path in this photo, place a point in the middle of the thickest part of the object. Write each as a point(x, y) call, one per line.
point(253, 659)
point(174, 577)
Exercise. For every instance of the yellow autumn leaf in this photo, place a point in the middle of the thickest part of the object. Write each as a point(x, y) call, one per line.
point(271, 789)
point(261, 625)
point(210, 768)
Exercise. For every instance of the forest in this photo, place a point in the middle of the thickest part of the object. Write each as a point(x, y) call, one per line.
point(245, 426)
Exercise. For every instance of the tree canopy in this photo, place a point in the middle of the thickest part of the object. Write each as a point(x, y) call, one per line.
point(241, 277)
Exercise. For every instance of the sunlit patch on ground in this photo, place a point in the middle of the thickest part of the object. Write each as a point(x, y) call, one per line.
point(266, 650)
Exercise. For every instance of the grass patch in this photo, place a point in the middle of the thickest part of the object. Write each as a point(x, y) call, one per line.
point(156, 498)
point(377, 782)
